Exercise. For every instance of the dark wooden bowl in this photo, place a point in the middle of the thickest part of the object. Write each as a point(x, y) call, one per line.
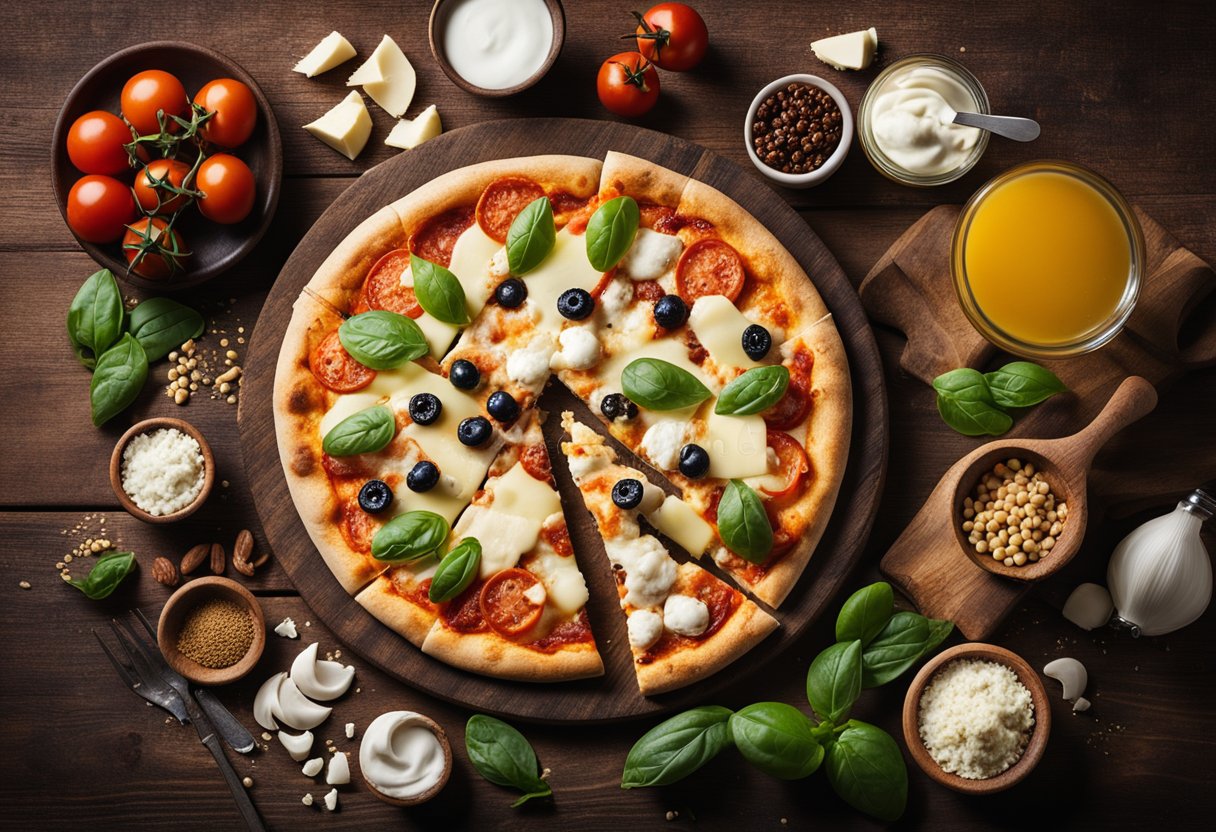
point(216, 248)
point(439, 14)
point(146, 426)
point(173, 616)
point(442, 736)
point(1038, 733)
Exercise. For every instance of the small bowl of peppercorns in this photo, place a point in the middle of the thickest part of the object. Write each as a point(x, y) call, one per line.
point(798, 130)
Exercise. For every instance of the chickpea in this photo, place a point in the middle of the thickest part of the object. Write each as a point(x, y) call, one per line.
point(1019, 559)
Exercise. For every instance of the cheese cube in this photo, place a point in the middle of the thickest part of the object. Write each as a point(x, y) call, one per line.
point(852, 51)
point(331, 51)
point(388, 77)
point(677, 520)
point(346, 128)
point(409, 133)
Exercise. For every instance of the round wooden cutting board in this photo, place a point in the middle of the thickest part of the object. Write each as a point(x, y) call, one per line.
point(615, 695)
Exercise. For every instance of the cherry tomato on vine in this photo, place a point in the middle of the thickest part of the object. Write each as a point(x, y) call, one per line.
point(628, 84)
point(153, 196)
point(95, 143)
point(149, 91)
point(99, 207)
point(151, 252)
point(672, 36)
point(227, 188)
point(236, 112)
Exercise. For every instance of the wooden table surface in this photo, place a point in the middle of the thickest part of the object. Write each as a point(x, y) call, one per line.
point(1125, 87)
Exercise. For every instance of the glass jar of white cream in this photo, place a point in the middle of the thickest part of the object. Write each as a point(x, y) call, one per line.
point(906, 121)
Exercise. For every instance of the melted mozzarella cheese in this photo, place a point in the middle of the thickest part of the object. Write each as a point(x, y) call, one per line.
point(511, 523)
point(719, 327)
point(580, 349)
point(562, 578)
point(737, 445)
point(676, 519)
point(685, 616)
point(530, 366)
point(662, 443)
point(645, 628)
point(649, 570)
point(471, 257)
point(652, 255)
point(566, 267)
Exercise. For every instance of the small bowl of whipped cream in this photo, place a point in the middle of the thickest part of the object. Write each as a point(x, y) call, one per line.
point(496, 48)
point(405, 758)
point(906, 121)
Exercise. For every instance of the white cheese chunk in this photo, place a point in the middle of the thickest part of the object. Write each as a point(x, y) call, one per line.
point(567, 589)
point(615, 299)
point(854, 50)
point(500, 265)
point(685, 616)
point(579, 349)
point(297, 745)
point(645, 628)
point(536, 593)
point(737, 446)
point(409, 133)
point(329, 53)
point(662, 442)
point(313, 767)
point(511, 524)
point(652, 497)
point(471, 257)
point(287, 629)
point(652, 255)
point(307, 799)
point(338, 773)
point(331, 800)
point(350, 730)
point(584, 465)
point(530, 366)
point(719, 327)
point(346, 128)
point(518, 492)
point(566, 267)
point(388, 77)
point(677, 519)
point(649, 570)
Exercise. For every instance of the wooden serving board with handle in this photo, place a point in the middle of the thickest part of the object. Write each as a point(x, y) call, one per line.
point(1171, 332)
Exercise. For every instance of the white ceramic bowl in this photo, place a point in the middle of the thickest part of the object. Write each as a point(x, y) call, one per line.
point(820, 174)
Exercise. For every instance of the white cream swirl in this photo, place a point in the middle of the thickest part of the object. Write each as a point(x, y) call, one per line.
point(400, 756)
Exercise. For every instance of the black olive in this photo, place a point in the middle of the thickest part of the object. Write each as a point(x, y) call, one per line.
point(670, 312)
point(375, 496)
point(502, 406)
point(575, 304)
point(757, 342)
point(616, 406)
point(694, 461)
point(425, 408)
point(464, 374)
point(627, 493)
point(474, 431)
point(422, 477)
point(511, 293)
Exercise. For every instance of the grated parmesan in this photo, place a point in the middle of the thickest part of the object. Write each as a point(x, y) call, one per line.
point(162, 471)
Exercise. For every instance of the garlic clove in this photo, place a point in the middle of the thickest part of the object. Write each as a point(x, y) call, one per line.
point(339, 770)
point(297, 711)
point(313, 767)
point(331, 800)
point(1089, 606)
point(297, 745)
point(321, 680)
point(266, 702)
point(1082, 704)
point(1071, 674)
point(287, 629)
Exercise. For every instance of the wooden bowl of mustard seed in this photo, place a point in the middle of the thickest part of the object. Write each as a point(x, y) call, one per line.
point(212, 631)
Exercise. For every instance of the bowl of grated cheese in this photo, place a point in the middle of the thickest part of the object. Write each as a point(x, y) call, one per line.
point(162, 470)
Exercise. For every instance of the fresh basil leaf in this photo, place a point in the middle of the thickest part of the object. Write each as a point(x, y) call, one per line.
point(743, 524)
point(610, 232)
point(756, 390)
point(776, 738)
point(456, 571)
point(502, 755)
point(674, 749)
point(897, 647)
point(117, 379)
point(95, 317)
point(410, 537)
point(162, 325)
point(865, 613)
point(660, 385)
point(1022, 384)
point(866, 769)
point(834, 681)
point(966, 404)
point(938, 630)
point(438, 291)
point(382, 340)
point(106, 575)
point(364, 432)
point(531, 236)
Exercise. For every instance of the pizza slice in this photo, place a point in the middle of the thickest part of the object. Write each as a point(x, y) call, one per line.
point(684, 623)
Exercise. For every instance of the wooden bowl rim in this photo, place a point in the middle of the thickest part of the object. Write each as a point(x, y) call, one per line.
point(1039, 732)
point(62, 177)
point(558, 14)
point(167, 628)
point(430, 793)
point(146, 426)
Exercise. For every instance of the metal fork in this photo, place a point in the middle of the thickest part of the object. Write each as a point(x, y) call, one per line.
point(153, 689)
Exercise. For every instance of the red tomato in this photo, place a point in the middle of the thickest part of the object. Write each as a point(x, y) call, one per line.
point(794, 463)
point(628, 84)
point(95, 143)
point(227, 188)
point(504, 605)
point(150, 186)
point(672, 36)
point(336, 369)
point(99, 207)
point(159, 254)
point(149, 92)
point(236, 112)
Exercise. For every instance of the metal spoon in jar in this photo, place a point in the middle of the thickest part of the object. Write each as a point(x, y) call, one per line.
point(1011, 127)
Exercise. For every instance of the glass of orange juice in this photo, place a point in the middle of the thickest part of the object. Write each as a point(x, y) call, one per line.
point(1047, 260)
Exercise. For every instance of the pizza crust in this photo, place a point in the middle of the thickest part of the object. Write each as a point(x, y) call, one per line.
point(491, 655)
point(402, 616)
point(630, 175)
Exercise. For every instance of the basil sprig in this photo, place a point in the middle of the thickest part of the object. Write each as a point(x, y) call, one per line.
point(754, 391)
point(834, 681)
point(95, 317)
point(382, 340)
point(117, 379)
point(974, 403)
point(365, 432)
point(410, 537)
point(162, 325)
point(504, 757)
point(743, 524)
point(674, 749)
point(865, 613)
point(866, 768)
point(531, 237)
point(660, 385)
point(456, 571)
point(776, 738)
point(438, 291)
point(106, 575)
point(1022, 384)
point(610, 232)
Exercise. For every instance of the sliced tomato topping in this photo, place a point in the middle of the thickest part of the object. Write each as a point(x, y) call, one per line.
point(435, 238)
point(505, 607)
point(501, 203)
point(535, 459)
point(709, 267)
point(790, 411)
point(383, 289)
point(784, 538)
point(793, 460)
point(334, 367)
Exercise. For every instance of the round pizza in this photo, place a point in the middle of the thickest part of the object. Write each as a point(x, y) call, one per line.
point(406, 410)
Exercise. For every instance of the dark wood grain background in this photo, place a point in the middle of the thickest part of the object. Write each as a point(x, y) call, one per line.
point(1128, 88)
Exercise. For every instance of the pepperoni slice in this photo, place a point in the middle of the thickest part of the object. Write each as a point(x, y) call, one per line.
point(359, 527)
point(334, 367)
point(791, 411)
point(435, 238)
point(794, 463)
point(709, 267)
point(501, 203)
point(383, 289)
point(505, 607)
point(565, 206)
point(648, 290)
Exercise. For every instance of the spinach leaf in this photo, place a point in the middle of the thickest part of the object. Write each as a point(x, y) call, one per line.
point(776, 738)
point(743, 524)
point(502, 755)
point(1022, 384)
point(367, 431)
point(106, 575)
point(966, 404)
point(896, 648)
point(382, 340)
point(756, 390)
point(531, 236)
point(117, 379)
point(834, 681)
point(162, 325)
point(865, 613)
point(674, 749)
point(95, 317)
point(410, 537)
point(610, 232)
point(866, 769)
point(438, 291)
point(456, 571)
point(660, 385)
